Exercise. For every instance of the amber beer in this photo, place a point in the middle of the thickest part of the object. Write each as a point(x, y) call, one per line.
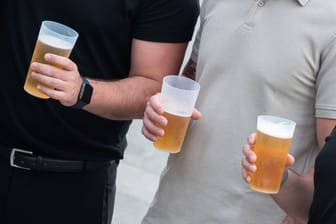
point(273, 141)
point(45, 44)
point(174, 133)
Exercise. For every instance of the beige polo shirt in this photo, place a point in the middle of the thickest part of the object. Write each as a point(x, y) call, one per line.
point(253, 57)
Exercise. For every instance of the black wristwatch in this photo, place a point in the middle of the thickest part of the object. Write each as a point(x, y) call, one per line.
point(84, 95)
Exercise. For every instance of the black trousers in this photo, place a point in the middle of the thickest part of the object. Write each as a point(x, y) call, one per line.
point(38, 197)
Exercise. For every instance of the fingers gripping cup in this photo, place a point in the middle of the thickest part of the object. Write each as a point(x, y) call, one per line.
point(178, 97)
point(273, 140)
point(53, 38)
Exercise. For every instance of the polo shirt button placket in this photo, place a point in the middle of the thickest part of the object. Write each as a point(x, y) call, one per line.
point(261, 3)
point(250, 20)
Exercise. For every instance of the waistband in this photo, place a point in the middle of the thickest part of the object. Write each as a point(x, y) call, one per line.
point(28, 160)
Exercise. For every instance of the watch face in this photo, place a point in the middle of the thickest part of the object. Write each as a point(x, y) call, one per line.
point(86, 92)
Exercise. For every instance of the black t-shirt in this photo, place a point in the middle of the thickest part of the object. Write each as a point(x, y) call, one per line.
point(102, 51)
point(323, 208)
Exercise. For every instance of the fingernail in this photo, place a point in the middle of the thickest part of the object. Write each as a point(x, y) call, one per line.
point(47, 56)
point(163, 121)
point(253, 168)
point(253, 157)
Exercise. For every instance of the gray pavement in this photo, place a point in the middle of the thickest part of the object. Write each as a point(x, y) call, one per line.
point(138, 177)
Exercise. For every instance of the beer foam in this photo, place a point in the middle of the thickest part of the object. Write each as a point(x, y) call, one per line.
point(55, 42)
point(177, 113)
point(279, 128)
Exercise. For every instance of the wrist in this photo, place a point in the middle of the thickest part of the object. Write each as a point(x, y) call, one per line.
point(84, 95)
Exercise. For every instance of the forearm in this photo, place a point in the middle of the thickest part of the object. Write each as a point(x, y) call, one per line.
point(296, 195)
point(122, 99)
point(126, 98)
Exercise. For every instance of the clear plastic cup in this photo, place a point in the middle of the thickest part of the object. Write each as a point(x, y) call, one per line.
point(178, 97)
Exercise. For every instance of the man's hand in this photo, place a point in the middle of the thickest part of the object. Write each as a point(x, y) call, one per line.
point(153, 116)
point(61, 74)
point(249, 159)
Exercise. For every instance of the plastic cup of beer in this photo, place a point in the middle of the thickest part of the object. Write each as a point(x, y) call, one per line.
point(178, 97)
point(53, 38)
point(273, 140)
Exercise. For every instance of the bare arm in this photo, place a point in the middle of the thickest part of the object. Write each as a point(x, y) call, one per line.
point(120, 99)
point(296, 195)
point(126, 98)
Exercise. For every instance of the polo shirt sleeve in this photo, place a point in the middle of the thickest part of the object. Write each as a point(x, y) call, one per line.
point(326, 83)
point(166, 20)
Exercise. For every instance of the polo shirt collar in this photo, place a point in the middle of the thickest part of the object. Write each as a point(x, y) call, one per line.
point(303, 2)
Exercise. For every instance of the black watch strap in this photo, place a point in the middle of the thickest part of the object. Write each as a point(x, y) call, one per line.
point(84, 95)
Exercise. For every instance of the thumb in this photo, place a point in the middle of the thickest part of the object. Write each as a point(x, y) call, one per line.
point(196, 114)
point(290, 160)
